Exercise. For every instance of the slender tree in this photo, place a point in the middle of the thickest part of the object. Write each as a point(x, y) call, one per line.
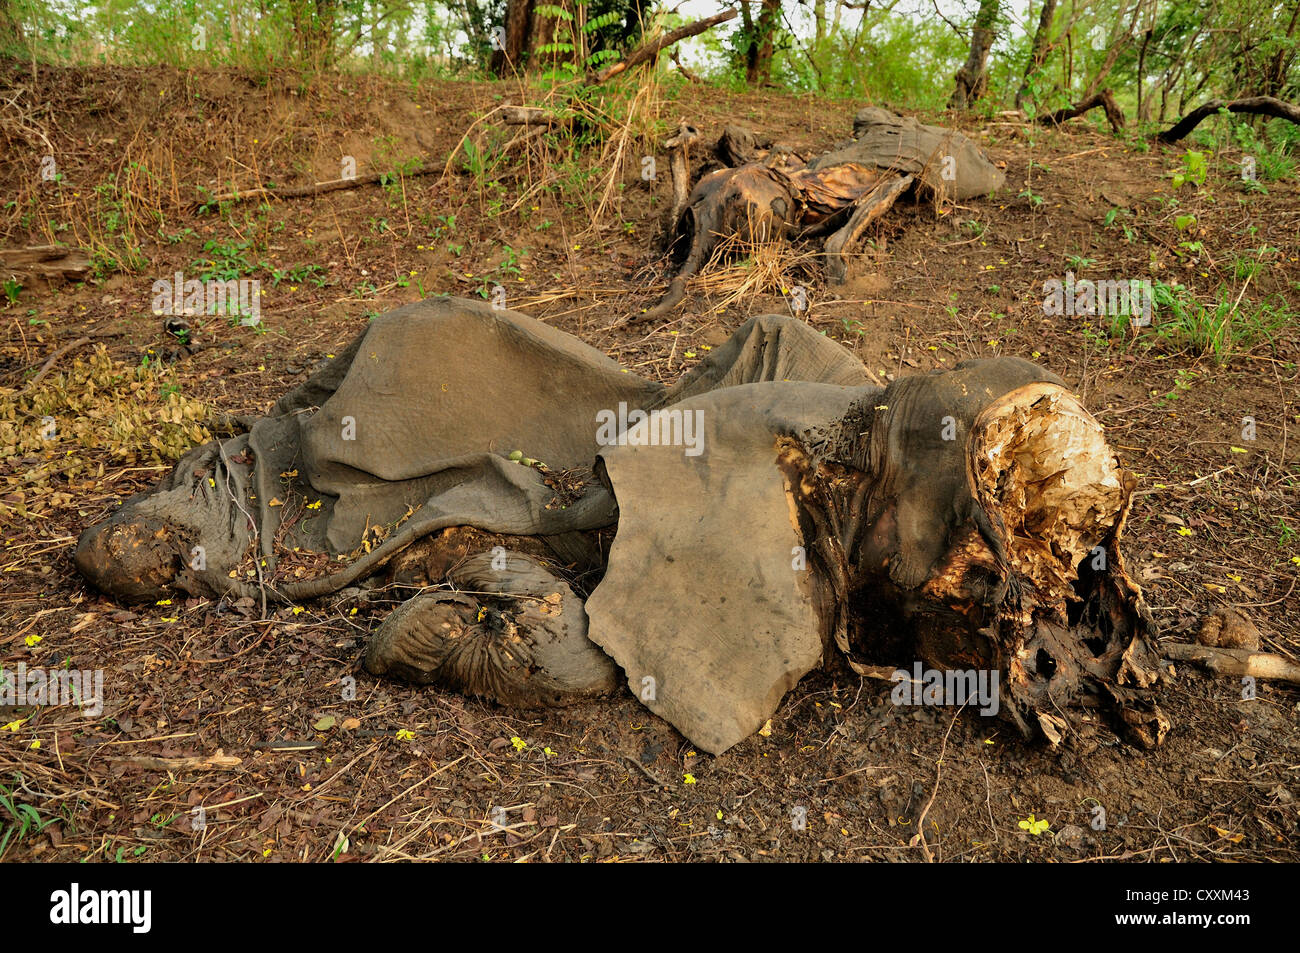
point(973, 78)
point(1038, 49)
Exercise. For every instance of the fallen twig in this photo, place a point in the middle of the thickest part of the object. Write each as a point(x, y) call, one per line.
point(217, 762)
point(53, 358)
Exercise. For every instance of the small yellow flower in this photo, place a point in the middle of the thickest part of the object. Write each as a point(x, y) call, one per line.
point(33, 640)
point(163, 602)
point(297, 610)
point(1184, 531)
point(404, 735)
point(36, 743)
point(689, 779)
point(1034, 827)
point(519, 743)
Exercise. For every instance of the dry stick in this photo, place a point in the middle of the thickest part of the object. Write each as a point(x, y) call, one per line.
point(918, 839)
point(217, 762)
point(391, 801)
point(334, 185)
point(45, 368)
point(1256, 105)
point(1242, 662)
point(681, 68)
point(649, 51)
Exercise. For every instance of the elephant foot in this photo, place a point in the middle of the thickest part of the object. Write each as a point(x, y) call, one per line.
point(513, 634)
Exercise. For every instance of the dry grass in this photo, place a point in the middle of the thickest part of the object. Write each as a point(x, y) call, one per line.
point(742, 271)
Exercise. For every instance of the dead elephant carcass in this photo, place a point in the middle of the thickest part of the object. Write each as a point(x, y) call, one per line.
point(758, 197)
point(769, 512)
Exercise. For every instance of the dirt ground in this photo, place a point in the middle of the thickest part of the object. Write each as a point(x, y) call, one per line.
point(404, 772)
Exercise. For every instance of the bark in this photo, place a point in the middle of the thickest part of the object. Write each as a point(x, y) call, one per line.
point(47, 261)
point(1276, 75)
point(761, 34)
point(509, 59)
point(302, 191)
point(972, 78)
point(1142, 72)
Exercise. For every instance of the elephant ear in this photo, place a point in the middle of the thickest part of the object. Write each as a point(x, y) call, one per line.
point(706, 602)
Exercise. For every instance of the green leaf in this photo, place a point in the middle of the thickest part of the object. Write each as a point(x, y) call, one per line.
point(550, 10)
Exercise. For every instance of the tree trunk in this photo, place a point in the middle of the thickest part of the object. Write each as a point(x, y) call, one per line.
point(509, 58)
point(1038, 49)
point(761, 34)
point(1276, 76)
point(972, 79)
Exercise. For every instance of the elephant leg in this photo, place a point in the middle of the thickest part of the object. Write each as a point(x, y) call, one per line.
point(867, 209)
point(513, 634)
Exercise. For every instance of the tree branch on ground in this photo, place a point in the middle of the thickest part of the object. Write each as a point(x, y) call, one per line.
point(1105, 99)
point(1255, 105)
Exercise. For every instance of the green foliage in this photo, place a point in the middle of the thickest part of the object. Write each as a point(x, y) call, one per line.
point(19, 818)
point(225, 261)
point(1228, 324)
point(1194, 170)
